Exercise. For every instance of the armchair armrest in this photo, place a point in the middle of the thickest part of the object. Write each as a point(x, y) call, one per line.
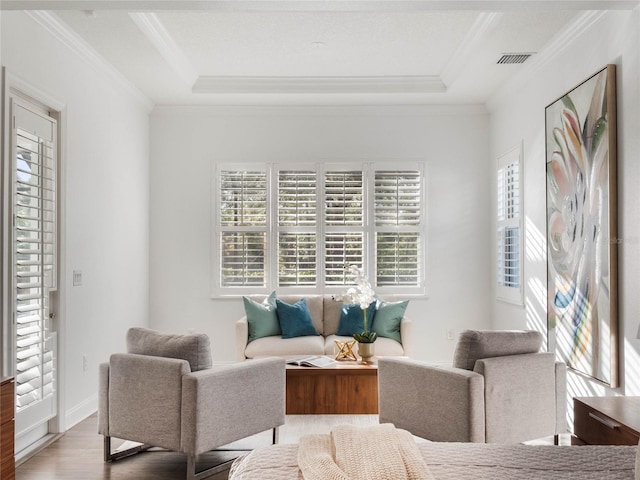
point(520, 397)
point(103, 399)
point(436, 403)
point(230, 402)
point(144, 398)
point(242, 336)
point(561, 397)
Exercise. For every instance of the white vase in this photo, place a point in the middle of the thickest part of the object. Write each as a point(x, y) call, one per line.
point(366, 352)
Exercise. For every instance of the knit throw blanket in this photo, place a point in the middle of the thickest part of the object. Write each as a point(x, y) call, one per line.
point(380, 452)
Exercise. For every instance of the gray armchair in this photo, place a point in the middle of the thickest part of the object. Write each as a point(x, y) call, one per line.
point(165, 393)
point(501, 389)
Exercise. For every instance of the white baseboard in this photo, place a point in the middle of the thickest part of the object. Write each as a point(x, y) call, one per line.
point(85, 409)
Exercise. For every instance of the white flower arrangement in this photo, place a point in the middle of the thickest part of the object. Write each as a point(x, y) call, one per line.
point(363, 295)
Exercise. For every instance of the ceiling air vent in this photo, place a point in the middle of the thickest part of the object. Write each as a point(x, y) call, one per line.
point(509, 58)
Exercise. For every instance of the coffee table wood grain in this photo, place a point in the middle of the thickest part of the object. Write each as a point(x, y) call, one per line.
point(345, 387)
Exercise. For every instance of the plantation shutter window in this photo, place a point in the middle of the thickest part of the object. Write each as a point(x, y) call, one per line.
point(508, 234)
point(397, 198)
point(297, 259)
point(344, 224)
point(303, 225)
point(296, 199)
point(243, 228)
point(35, 263)
point(398, 220)
point(297, 222)
point(397, 258)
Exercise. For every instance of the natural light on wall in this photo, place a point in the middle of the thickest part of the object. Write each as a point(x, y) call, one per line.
point(631, 368)
point(535, 242)
point(536, 317)
point(536, 297)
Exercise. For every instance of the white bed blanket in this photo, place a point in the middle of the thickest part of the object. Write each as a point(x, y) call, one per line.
point(471, 461)
point(378, 452)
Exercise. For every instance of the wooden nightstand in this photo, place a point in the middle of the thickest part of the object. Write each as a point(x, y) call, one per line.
point(7, 464)
point(607, 420)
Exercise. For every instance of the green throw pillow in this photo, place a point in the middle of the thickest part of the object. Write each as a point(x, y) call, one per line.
point(262, 317)
point(295, 320)
point(352, 319)
point(386, 322)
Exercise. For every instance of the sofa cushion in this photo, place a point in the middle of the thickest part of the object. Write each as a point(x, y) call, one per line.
point(332, 311)
point(295, 320)
point(262, 318)
point(276, 346)
point(476, 344)
point(194, 348)
point(352, 319)
point(386, 322)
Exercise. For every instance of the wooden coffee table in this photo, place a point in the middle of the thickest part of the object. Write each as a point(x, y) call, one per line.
point(345, 387)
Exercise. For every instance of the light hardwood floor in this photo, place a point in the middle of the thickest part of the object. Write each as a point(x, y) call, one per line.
point(78, 455)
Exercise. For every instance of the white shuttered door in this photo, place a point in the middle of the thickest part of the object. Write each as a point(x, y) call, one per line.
point(34, 264)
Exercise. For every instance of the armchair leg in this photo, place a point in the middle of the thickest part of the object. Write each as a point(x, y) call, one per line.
point(193, 475)
point(191, 460)
point(556, 439)
point(110, 457)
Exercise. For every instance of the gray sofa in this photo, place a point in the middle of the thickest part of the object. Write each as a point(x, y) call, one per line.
point(325, 313)
point(165, 392)
point(501, 389)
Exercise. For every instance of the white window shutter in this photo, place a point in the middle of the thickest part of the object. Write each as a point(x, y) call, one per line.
point(35, 258)
point(398, 217)
point(297, 198)
point(509, 227)
point(242, 228)
point(398, 198)
point(324, 217)
point(343, 198)
point(344, 224)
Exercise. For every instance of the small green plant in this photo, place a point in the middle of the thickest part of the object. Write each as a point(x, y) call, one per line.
point(365, 337)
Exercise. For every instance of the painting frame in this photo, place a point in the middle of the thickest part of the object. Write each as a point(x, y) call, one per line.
point(581, 228)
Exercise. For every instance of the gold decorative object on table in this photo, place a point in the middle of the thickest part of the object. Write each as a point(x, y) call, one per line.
point(345, 350)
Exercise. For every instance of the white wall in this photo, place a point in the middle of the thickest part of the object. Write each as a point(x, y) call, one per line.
point(105, 204)
point(187, 142)
point(519, 116)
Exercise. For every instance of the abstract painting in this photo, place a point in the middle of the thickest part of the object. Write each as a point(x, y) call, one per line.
point(582, 227)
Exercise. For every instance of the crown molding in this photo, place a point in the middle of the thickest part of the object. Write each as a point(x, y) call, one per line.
point(398, 110)
point(157, 34)
point(61, 31)
point(294, 85)
point(561, 42)
point(318, 5)
point(483, 25)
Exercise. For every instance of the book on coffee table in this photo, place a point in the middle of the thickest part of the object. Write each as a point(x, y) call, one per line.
point(311, 361)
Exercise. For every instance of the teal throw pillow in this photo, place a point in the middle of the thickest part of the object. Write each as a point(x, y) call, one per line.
point(262, 317)
point(352, 319)
point(295, 320)
point(388, 317)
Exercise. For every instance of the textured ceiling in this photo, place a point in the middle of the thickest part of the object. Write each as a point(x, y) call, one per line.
point(269, 55)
